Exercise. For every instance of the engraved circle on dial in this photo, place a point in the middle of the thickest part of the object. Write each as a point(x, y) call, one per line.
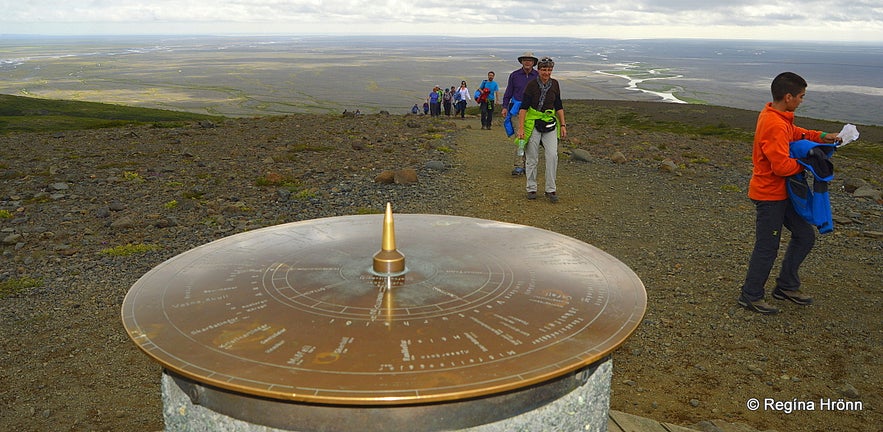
point(433, 285)
point(294, 312)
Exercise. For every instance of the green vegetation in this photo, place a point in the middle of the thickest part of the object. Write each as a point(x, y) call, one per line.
point(129, 249)
point(193, 194)
point(720, 130)
point(305, 194)
point(731, 188)
point(12, 287)
point(863, 150)
point(299, 191)
point(5, 214)
point(24, 114)
point(274, 179)
point(133, 177)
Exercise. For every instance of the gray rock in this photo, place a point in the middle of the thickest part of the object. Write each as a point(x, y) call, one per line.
point(123, 222)
point(851, 184)
point(166, 222)
point(618, 157)
point(847, 390)
point(668, 165)
point(11, 239)
point(580, 155)
point(435, 165)
point(283, 194)
point(59, 186)
point(868, 192)
point(707, 426)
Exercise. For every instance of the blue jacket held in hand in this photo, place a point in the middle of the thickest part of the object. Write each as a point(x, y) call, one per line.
point(813, 204)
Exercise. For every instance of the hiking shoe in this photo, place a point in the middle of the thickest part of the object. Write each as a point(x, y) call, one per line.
point(532, 195)
point(518, 171)
point(758, 306)
point(794, 295)
point(553, 197)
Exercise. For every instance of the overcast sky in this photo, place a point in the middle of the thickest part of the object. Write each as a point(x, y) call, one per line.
point(829, 20)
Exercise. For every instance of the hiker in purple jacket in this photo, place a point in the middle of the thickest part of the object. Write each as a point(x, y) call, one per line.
point(518, 80)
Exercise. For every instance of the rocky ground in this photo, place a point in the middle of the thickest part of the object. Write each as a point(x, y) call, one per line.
point(83, 214)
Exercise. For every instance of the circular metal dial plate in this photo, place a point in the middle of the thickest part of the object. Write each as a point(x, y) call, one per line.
point(294, 311)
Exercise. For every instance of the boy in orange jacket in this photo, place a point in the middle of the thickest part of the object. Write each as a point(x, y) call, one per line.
point(772, 167)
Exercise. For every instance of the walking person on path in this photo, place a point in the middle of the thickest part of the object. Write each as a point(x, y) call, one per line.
point(486, 105)
point(435, 101)
point(767, 189)
point(512, 97)
point(463, 91)
point(541, 119)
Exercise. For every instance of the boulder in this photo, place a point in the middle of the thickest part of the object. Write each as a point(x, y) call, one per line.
point(406, 176)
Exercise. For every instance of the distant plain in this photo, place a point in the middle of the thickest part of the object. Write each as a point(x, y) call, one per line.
point(244, 77)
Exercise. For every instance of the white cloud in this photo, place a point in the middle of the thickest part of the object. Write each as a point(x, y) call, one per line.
point(746, 19)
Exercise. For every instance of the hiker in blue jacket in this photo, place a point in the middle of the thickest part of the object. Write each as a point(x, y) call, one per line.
point(486, 106)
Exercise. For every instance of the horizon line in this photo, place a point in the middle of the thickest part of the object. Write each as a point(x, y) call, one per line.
point(424, 36)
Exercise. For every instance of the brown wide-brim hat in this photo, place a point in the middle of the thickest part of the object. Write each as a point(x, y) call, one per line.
point(528, 55)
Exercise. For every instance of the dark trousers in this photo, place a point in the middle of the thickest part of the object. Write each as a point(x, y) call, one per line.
point(487, 113)
point(447, 108)
point(771, 216)
point(461, 108)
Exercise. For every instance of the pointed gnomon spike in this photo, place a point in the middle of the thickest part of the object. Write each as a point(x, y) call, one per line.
point(388, 261)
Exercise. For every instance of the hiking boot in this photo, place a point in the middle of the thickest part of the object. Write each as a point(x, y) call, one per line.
point(553, 197)
point(518, 171)
point(532, 195)
point(758, 306)
point(794, 295)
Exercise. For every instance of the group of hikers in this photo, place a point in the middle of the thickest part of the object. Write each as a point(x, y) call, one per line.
point(534, 114)
point(449, 100)
point(531, 97)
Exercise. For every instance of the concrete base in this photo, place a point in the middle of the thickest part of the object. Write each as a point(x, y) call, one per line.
point(585, 408)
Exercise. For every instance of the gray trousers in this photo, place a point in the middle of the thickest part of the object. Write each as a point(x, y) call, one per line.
point(771, 216)
point(531, 154)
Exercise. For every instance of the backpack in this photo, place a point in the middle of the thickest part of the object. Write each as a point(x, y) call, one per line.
point(482, 93)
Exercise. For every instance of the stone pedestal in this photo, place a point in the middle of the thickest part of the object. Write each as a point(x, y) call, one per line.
point(578, 402)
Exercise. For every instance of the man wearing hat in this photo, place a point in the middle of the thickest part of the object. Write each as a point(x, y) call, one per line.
point(518, 80)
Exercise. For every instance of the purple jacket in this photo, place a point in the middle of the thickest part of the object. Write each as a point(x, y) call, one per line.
point(517, 83)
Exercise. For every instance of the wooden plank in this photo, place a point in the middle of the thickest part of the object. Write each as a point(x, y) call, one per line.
point(623, 422)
